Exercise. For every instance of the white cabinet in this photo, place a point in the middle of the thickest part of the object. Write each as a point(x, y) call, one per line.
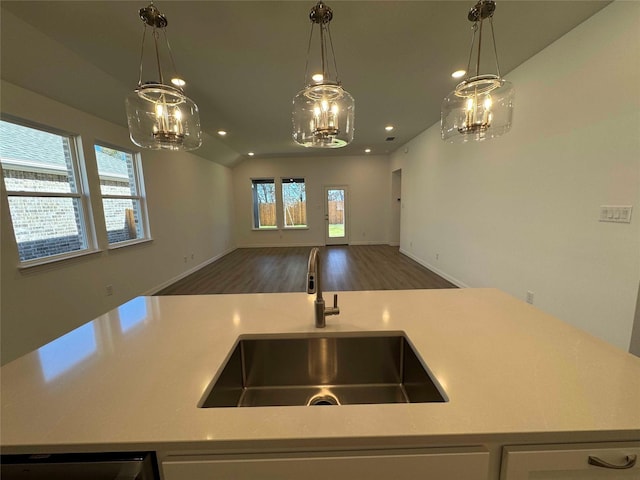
point(464, 463)
point(591, 461)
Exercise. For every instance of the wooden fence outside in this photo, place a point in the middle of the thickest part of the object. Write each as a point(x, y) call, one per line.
point(336, 212)
point(267, 214)
point(296, 214)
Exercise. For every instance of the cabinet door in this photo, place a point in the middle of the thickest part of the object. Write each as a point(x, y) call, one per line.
point(592, 461)
point(430, 464)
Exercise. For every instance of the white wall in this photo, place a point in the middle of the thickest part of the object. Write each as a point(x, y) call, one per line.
point(521, 212)
point(190, 212)
point(367, 177)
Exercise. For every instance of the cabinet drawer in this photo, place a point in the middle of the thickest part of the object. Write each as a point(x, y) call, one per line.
point(470, 463)
point(572, 462)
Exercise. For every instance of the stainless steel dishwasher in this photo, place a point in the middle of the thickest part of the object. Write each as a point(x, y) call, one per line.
point(83, 466)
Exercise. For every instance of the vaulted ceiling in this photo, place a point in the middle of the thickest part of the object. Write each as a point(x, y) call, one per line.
point(244, 60)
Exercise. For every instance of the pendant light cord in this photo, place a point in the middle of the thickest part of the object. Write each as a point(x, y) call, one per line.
point(323, 51)
point(306, 65)
point(333, 54)
point(151, 17)
point(144, 32)
point(173, 63)
point(155, 41)
point(479, 48)
point(473, 41)
point(495, 49)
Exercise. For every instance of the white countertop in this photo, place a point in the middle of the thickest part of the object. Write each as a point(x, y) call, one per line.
point(134, 376)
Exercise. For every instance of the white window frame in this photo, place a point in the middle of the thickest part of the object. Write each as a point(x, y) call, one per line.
point(85, 219)
point(136, 161)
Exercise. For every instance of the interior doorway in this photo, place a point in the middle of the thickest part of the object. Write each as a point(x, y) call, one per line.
point(336, 215)
point(396, 207)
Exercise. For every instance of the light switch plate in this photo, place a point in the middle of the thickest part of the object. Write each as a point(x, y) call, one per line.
point(616, 213)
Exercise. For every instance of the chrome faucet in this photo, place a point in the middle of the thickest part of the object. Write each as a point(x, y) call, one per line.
point(314, 285)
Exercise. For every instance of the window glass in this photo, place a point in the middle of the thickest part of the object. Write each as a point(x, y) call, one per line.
point(122, 199)
point(264, 203)
point(44, 191)
point(116, 170)
point(294, 202)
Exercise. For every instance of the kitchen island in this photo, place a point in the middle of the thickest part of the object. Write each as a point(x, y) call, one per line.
point(132, 380)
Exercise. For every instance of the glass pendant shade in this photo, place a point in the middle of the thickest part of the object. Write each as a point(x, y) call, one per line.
point(323, 112)
point(478, 109)
point(161, 117)
point(323, 116)
point(481, 106)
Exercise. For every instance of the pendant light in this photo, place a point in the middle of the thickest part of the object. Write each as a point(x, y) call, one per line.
point(161, 116)
point(323, 112)
point(481, 106)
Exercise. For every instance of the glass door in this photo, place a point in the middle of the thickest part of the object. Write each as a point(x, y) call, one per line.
point(335, 215)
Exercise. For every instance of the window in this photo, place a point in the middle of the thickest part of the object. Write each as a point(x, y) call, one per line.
point(294, 202)
point(122, 194)
point(44, 191)
point(264, 203)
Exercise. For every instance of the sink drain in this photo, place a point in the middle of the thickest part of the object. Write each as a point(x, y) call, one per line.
point(323, 399)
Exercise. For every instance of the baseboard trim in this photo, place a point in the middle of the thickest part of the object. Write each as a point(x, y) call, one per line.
point(444, 275)
point(276, 245)
point(394, 244)
point(163, 285)
point(367, 242)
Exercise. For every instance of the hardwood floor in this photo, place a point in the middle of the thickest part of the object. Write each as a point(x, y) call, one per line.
point(284, 269)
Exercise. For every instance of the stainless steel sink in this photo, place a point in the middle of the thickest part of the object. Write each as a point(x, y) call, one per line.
point(322, 370)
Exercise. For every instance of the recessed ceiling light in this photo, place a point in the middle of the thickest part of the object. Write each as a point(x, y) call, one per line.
point(222, 133)
point(367, 150)
point(318, 77)
point(251, 154)
point(459, 73)
point(178, 82)
point(388, 128)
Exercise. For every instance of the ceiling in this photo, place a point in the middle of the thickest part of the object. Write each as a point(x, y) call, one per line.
point(244, 60)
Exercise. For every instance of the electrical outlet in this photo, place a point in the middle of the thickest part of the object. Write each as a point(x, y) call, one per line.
point(437, 256)
point(109, 290)
point(530, 297)
point(192, 256)
point(185, 259)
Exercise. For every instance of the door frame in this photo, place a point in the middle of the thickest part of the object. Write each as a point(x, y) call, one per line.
point(342, 240)
point(395, 224)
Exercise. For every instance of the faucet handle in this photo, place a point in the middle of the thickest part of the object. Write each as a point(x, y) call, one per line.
point(335, 310)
